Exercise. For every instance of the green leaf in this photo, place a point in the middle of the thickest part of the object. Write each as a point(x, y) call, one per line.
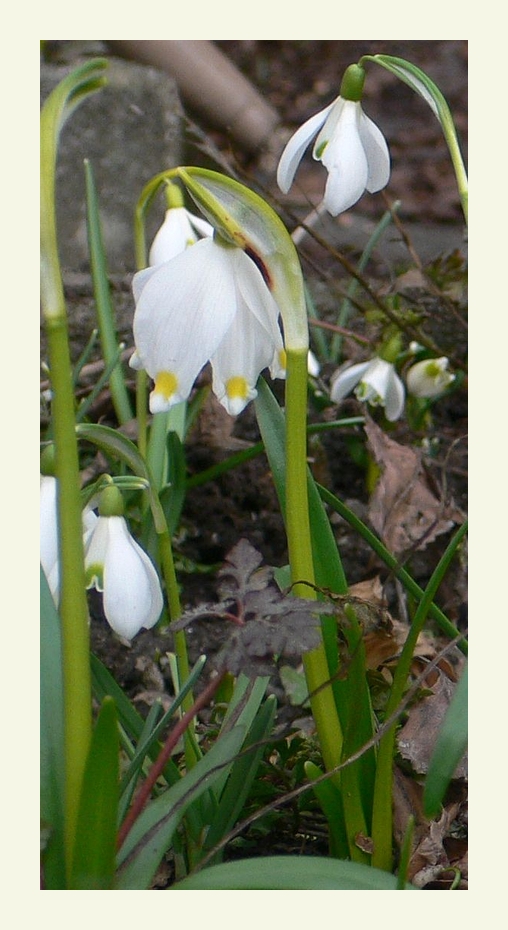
point(241, 776)
point(450, 747)
point(52, 740)
point(94, 855)
point(290, 873)
point(152, 834)
point(330, 801)
point(103, 302)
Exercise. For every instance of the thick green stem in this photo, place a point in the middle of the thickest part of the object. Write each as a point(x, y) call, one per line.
point(300, 551)
point(73, 601)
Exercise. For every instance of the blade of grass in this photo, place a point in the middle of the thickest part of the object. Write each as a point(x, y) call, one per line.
point(382, 814)
point(391, 562)
point(104, 306)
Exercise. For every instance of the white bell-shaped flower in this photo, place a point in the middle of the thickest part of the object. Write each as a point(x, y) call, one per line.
point(375, 382)
point(429, 377)
point(116, 565)
point(179, 230)
point(349, 145)
point(209, 303)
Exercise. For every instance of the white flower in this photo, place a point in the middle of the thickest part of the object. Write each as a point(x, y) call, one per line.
point(116, 565)
point(179, 230)
point(349, 145)
point(209, 303)
point(429, 377)
point(313, 366)
point(376, 382)
point(49, 532)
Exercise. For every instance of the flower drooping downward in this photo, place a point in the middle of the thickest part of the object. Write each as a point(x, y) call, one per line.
point(118, 566)
point(429, 377)
point(208, 304)
point(349, 144)
point(375, 382)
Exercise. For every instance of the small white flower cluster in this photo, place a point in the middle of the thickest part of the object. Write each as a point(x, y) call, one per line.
point(377, 383)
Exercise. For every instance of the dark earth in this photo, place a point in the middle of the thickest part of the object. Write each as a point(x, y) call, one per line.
point(427, 272)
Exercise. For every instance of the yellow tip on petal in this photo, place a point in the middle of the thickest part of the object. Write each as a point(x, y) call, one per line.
point(166, 384)
point(237, 388)
point(283, 359)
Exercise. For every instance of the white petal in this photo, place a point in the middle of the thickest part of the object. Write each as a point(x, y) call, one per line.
point(140, 279)
point(293, 152)
point(395, 396)
point(132, 594)
point(253, 291)
point(49, 533)
point(177, 232)
point(95, 553)
point(378, 156)
point(346, 161)
point(241, 357)
point(345, 380)
point(183, 311)
point(48, 523)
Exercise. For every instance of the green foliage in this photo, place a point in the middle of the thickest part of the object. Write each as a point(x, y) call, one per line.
point(289, 873)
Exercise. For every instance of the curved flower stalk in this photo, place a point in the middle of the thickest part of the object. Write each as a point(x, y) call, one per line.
point(429, 378)
point(375, 382)
point(420, 82)
point(208, 304)
point(116, 565)
point(349, 145)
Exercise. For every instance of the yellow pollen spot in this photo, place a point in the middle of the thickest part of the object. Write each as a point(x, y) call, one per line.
point(283, 358)
point(166, 383)
point(237, 387)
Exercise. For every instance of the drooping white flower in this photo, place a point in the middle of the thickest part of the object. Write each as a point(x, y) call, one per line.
point(179, 230)
point(209, 303)
point(375, 382)
point(429, 377)
point(118, 566)
point(49, 532)
point(349, 145)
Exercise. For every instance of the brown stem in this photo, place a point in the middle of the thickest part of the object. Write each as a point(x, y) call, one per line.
point(178, 730)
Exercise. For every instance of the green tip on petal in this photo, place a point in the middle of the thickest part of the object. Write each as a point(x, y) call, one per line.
point(351, 87)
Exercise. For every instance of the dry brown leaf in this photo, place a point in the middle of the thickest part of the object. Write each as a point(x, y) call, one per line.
point(403, 509)
point(417, 737)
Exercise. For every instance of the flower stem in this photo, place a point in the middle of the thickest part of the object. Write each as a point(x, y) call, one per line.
point(73, 603)
point(73, 609)
point(300, 552)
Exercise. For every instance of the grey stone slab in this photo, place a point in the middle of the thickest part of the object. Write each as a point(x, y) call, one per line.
point(129, 131)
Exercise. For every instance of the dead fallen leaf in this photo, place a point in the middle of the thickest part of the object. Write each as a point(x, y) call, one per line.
point(403, 509)
point(417, 737)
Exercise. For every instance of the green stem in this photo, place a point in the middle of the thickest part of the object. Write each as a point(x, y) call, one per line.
point(73, 610)
point(73, 602)
point(300, 552)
